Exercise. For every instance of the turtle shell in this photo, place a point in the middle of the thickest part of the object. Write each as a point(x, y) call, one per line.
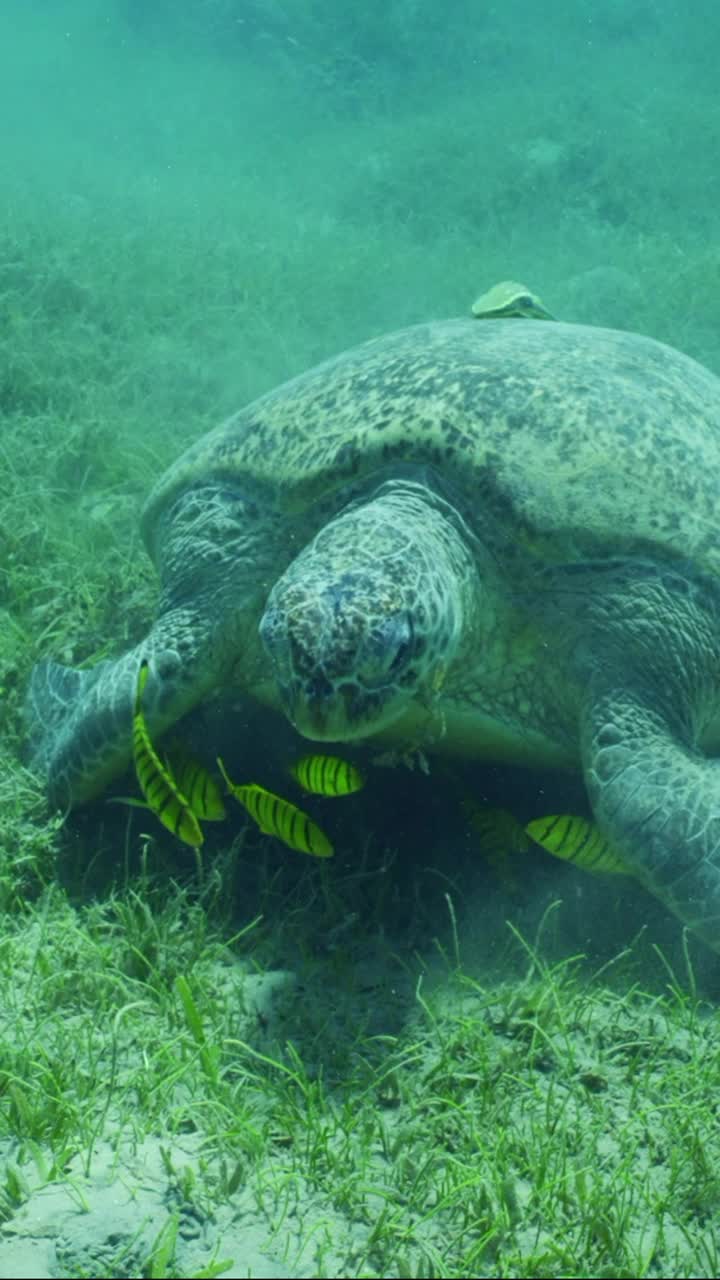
point(565, 440)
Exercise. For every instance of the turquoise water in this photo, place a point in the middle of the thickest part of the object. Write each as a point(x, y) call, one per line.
point(342, 170)
point(199, 201)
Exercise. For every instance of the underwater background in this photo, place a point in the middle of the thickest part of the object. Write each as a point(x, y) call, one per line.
point(426, 1057)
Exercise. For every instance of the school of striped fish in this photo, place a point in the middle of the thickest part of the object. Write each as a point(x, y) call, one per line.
point(180, 792)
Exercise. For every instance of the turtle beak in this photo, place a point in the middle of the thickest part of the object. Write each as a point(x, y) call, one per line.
point(309, 710)
point(318, 711)
point(346, 712)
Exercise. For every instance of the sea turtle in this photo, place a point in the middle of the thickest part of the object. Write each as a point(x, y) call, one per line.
point(509, 298)
point(497, 539)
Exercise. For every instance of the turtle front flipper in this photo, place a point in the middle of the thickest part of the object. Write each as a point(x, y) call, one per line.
point(215, 558)
point(80, 722)
point(650, 719)
point(54, 695)
point(658, 801)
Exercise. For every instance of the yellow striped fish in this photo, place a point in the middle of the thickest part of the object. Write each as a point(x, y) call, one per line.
point(499, 831)
point(578, 841)
point(200, 787)
point(501, 836)
point(279, 818)
point(327, 776)
point(157, 784)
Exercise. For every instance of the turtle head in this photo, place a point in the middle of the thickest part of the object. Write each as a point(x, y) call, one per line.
point(366, 619)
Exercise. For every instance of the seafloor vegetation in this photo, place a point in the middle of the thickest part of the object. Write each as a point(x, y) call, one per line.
point(403, 1062)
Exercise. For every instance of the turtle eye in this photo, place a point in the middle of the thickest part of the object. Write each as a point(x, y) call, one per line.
point(399, 638)
point(401, 654)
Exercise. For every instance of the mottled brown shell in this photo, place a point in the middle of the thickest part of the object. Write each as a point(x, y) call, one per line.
point(579, 438)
